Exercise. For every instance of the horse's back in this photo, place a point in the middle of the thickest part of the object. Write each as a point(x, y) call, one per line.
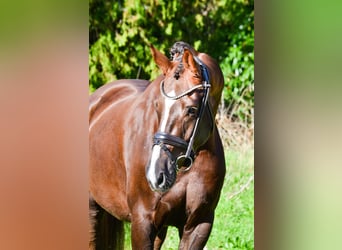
point(114, 92)
point(108, 109)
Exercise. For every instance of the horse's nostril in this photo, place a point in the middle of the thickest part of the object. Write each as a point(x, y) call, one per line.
point(161, 179)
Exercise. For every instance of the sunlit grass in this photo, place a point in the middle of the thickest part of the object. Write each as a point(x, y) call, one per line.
point(234, 218)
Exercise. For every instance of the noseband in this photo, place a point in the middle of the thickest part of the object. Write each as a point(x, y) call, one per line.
point(162, 139)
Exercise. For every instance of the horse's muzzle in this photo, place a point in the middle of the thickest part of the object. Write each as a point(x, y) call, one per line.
point(160, 171)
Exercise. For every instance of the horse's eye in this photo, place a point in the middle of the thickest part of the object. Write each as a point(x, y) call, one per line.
point(192, 111)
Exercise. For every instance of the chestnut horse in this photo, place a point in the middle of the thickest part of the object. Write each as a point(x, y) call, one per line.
point(156, 157)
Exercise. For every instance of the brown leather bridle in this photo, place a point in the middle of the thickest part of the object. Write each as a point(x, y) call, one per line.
point(162, 139)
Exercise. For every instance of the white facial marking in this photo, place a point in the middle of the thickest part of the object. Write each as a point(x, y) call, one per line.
point(151, 173)
point(167, 107)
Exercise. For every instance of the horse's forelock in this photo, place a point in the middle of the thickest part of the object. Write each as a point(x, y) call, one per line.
point(178, 70)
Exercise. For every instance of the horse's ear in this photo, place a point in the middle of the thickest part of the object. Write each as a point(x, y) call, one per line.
point(160, 59)
point(189, 62)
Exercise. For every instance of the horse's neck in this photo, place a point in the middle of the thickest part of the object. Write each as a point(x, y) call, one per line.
point(216, 80)
point(143, 106)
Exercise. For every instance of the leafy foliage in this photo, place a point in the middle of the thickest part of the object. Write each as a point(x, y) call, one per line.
point(120, 32)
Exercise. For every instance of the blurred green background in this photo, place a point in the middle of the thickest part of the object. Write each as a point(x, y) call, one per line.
point(298, 112)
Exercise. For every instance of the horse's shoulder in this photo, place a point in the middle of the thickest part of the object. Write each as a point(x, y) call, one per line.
point(113, 92)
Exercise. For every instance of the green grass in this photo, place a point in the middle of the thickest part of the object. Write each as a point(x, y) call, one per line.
point(234, 218)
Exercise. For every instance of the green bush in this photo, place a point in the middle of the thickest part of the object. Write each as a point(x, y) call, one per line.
point(120, 32)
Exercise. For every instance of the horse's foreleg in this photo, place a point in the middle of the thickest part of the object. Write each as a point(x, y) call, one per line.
point(143, 233)
point(160, 238)
point(195, 237)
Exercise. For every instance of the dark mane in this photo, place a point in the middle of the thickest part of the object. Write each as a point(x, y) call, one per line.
point(177, 50)
point(176, 53)
point(178, 71)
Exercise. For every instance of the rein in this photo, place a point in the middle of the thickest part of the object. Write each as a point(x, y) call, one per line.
point(161, 138)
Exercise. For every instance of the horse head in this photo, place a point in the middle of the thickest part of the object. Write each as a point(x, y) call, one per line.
point(186, 119)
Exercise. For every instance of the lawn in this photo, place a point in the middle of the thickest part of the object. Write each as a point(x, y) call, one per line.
point(234, 218)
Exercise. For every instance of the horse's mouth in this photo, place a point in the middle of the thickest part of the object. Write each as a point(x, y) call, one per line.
point(163, 184)
point(159, 190)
